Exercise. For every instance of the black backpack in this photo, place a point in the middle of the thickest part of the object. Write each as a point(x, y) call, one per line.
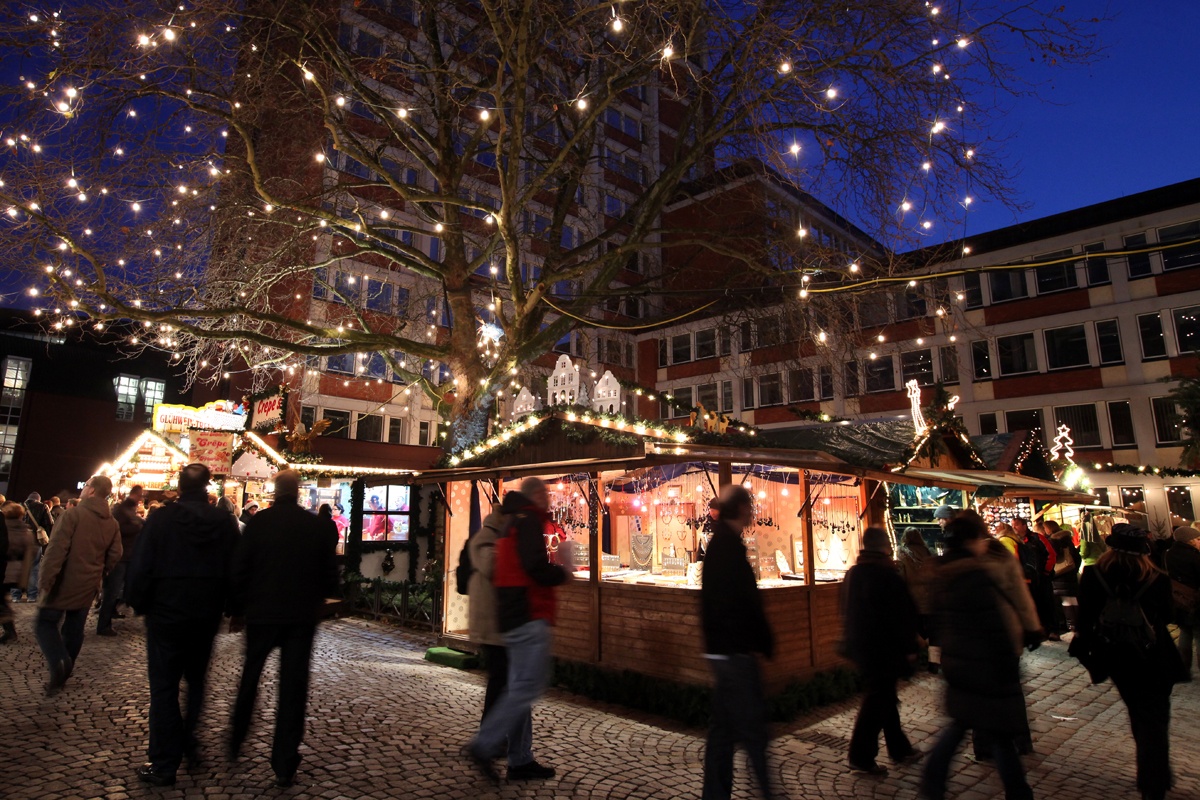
point(462, 573)
point(1123, 625)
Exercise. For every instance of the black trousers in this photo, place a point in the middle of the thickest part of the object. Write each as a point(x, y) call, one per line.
point(1149, 705)
point(176, 652)
point(496, 656)
point(295, 654)
point(880, 711)
point(739, 716)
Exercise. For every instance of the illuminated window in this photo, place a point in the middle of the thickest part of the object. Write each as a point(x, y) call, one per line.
point(152, 394)
point(127, 396)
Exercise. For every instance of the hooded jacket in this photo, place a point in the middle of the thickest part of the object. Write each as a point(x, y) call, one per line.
point(523, 576)
point(84, 547)
point(880, 616)
point(731, 608)
point(481, 615)
point(180, 568)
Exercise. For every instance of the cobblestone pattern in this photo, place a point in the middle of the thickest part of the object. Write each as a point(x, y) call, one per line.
point(383, 723)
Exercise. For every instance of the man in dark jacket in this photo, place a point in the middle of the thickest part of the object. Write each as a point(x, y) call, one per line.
point(39, 517)
point(1183, 565)
point(735, 628)
point(524, 579)
point(881, 639)
point(179, 579)
point(125, 513)
point(284, 568)
point(1041, 584)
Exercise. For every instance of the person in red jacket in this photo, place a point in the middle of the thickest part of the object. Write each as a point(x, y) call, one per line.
point(1040, 584)
point(524, 579)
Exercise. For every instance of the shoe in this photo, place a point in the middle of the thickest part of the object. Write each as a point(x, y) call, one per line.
point(870, 769)
point(911, 757)
point(106, 632)
point(283, 783)
point(484, 765)
point(58, 679)
point(533, 771)
point(147, 774)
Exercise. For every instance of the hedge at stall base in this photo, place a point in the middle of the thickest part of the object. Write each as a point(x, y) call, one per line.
point(691, 704)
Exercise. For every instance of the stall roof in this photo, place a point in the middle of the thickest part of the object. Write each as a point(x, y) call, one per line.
point(876, 444)
point(1009, 484)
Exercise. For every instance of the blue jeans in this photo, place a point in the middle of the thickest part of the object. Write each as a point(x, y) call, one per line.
point(60, 636)
point(31, 591)
point(511, 718)
point(1004, 751)
point(114, 586)
point(739, 716)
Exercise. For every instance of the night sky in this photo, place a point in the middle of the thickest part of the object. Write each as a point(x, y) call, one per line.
point(1127, 123)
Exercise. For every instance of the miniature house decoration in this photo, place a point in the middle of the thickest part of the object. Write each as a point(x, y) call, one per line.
point(563, 387)
point(607, 395)
point(524, 404)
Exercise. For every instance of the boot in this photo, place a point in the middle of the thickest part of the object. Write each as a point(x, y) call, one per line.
point(10, 633)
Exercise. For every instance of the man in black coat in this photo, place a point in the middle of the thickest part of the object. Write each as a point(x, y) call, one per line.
point(179, 578)
point(735, 629)
point(284, 568)
point(125, 513)
point(881, 639)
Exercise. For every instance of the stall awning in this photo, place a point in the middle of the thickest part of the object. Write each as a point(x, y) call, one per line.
point(995, 484)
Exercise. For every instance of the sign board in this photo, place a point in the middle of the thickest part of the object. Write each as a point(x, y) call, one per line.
point(674, 566)
point(267, 411)
point(218, 415)
point(214, 449)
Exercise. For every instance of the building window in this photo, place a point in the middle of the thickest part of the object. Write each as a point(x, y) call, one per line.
point(663, 358)
point(880, 374)
point(745, 337)
point(949, 358)
point(800, 386)
point(747, 393)
point(681, 402)
point(681, 348)
point(12, 399)
point(727, 396)
point(1008, 285)
point(981, 360)
point(872, 314)
point(1179, 501)
point(973, 290)
point(428, 433)
point(1154, 344)
point(1133, 495)
point(339, 423)
point(1083, 422)
point(1108, 341)
point(724, 342)
point(153, 392)
point(386, 514)
point(1016, 354)
point(395, 431)
point(850, 378)
point(308, 415)
point(1139, 263)
point(1168, 426)
point(16, 379)
point(1096, 265)
point(706, 343)
point(1056, 277)
point(368, 428)
point(374, 365)
point(770, 390)
point(127, 397)
point(825, 382)
point(1067, 347)
point(1028, 420)
point(708, 395)
point(918, 366)
point(987, 424)
point(1120, 421)
point(1184, 256)
point(910, 305)
point(1187, 329)
point(343, 364)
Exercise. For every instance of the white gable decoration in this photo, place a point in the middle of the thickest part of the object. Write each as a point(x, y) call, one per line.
point(607, 395)
point(563, 387)
point(524, 404)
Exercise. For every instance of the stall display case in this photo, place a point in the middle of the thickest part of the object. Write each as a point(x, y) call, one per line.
point(913, 507)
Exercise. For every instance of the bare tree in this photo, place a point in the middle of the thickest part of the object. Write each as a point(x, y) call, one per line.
point(204, 169)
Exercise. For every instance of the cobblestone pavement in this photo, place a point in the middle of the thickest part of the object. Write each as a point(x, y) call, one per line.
point(383, 723)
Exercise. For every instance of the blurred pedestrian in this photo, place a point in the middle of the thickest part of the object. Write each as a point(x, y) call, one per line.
point(226, 505)
point(915, 561)
point(178, 578)
point(524, 579)
point(1124, 606)
point(880, 637)
point(1040, 582)
point(284, 568)
point(982, 637)
point(40, 524)
point(85, 546)
point(1183, 565)
point(126, 515)
point(18, 548)
point(248, 512)
point(56, 509)
point(735, 630)
point(1065, 580)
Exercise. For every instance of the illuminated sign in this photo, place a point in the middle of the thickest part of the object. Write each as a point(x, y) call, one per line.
point(217, 415)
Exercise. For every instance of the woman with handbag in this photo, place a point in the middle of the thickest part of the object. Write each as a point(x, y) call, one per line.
point(18, 549)
point(1183, 565)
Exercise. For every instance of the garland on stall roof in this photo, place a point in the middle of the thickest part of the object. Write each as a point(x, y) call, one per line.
point(1143, 469)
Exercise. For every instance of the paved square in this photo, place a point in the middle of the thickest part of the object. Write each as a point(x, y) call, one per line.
point(383, 723)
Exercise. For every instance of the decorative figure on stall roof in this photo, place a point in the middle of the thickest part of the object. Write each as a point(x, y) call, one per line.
point(525, 403)
point(914, 398)
point(1062, 445)
point(709, 421)
point(606, 396)
point(563, 387)
point(300, 440)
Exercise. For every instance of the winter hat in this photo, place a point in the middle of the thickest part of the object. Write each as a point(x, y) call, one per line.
point(1125, 538)
point(944, 512)
point(1185, 533)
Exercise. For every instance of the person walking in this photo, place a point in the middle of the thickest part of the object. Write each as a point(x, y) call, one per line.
point(982, 637)
point(1124, 606)
point(40, 524)
point(735, 629)
point(126, 515)
point(84, 547)
point(880, 637)
point(284, 568)
point(18, 548)
point(915, 561)
point(178, 577)
point(1040, 582)
point(1183, 565)
point(483, 627)
point(524, 579)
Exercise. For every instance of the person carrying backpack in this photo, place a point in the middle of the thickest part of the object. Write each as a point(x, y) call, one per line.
point(1125, 604)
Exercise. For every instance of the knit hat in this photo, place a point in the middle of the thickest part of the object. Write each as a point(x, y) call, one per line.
point(944, 512)
point(1185, 533)
point(1125, 538)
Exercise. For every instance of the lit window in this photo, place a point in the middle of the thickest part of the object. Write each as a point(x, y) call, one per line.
point(152, 394)
point(127, 397)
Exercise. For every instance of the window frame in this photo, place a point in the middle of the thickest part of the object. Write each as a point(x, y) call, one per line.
point(1162, 335)
point(1112, 427)
point(1000, 354)
point(874, 368)
point(1077, 433)
point(1100, 346)
point(905, 377)
point(1082, 331)
point(1195, 334)
point(986, 351)
point(1158, 429)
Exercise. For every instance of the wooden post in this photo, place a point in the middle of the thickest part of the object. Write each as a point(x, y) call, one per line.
point(594, 525)
point(724, 474)
point(810, 550)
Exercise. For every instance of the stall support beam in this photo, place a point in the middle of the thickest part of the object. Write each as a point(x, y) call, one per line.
point(810, 550)
point(724, 474)
point(595, 509)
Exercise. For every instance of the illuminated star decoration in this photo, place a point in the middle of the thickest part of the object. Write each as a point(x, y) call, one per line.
point(1062, 445)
